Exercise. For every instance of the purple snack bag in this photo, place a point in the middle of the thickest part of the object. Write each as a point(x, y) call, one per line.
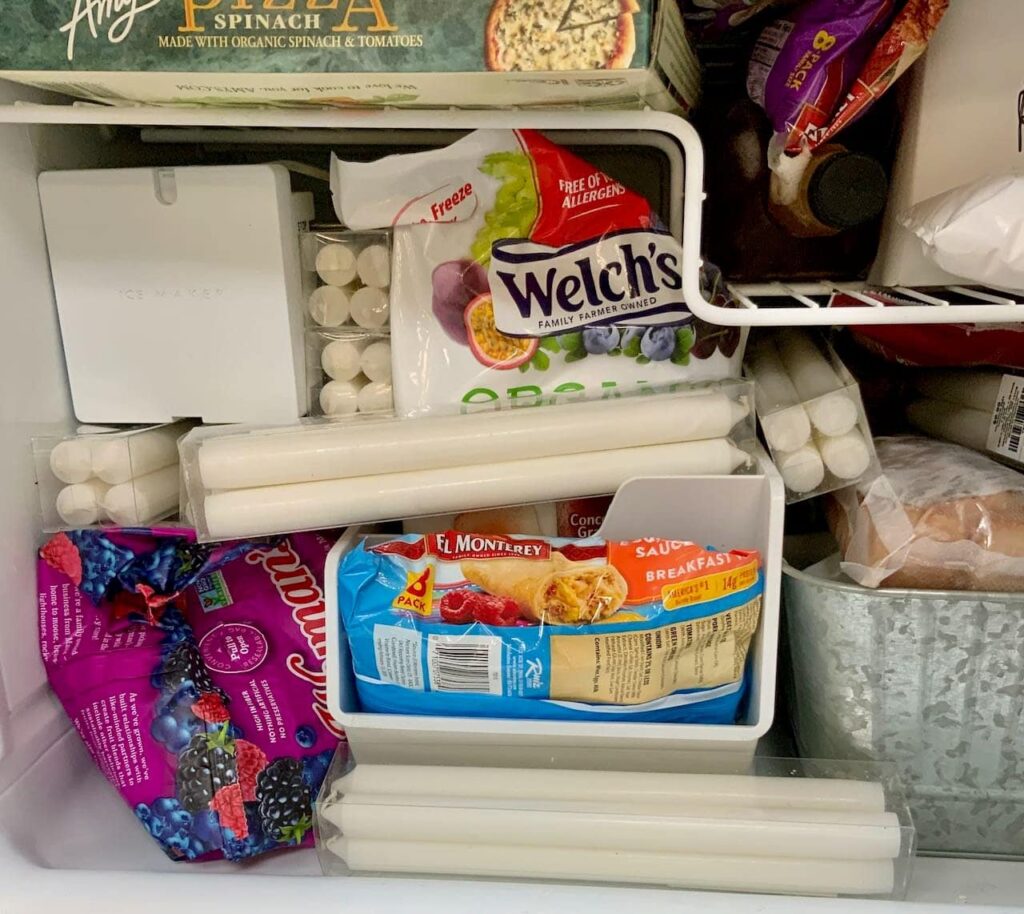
point(803, 64)
point(194, 676)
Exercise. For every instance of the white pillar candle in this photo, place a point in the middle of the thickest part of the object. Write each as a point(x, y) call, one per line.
point(376, 361)
point(328, 306)
point(802, 470)
point(340, 359)
point(834, 414)
point(339, 398)
point(339, 502)
point(117, 459)
point(375, 397)
point(71, 460)
point(369, 308)
point(640, 787)
point(846, 456)
point(830, 410)
point(702, 833)
point(785, 423)
point(310, 453)
point(374, 266)
point(336, 264)
point(736, 873)
point(143, 500)
point(975, 389)
point(959, 424)
point(81, 504)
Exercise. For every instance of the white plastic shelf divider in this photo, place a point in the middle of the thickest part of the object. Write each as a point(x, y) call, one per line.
point(769, 305)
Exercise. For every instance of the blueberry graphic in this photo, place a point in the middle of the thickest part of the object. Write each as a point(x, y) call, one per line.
point(305, 737)
point(599, 340)
point(164, 728)
point(658, 343)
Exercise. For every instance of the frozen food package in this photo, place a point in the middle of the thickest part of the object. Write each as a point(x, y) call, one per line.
point(574, 517)
point(485, 625)
point(522, 274)
point(940, 517)
point(817, 69)
point(941, 345)
point(804, 62)
point(975, 231)
point(194, 676)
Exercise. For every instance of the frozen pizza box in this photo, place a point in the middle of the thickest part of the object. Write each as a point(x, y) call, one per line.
point(419, 53)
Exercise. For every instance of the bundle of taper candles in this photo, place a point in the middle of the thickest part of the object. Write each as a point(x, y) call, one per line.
point(809, 414)
point(128, 478)
point(324, 475)
point(722, 832)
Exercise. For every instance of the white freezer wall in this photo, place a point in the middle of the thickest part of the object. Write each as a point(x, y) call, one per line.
point(66, 838)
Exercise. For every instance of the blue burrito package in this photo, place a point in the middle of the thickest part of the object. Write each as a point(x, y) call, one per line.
point(472, 625)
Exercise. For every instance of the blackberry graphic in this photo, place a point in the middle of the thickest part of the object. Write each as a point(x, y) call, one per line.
point(206, 765)
point(284, 807)
point(184, 664)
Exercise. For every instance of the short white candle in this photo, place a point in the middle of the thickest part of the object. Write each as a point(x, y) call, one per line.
point(376, 361)
point(802, 470)
point(328, 306)
point(785, 424)
point(341, 359)
point(339, 398)
point(336, 264)
point(81, 504)
point(143, 500)
point(374, 266)
point(375, 397)
point(369, 308)
point(846, 456)
point(71, 460)
point(118, 458)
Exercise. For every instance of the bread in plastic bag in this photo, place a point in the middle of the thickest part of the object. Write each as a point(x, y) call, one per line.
point(975, 231)
point(940, 517)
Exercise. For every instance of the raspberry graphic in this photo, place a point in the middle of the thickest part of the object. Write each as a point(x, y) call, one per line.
point(205, 766)
point(284, 806)
point(227, 803)
point(461, 607)
point(456, 608)
point(250, 760)
point(60, 553)
point(211, 708)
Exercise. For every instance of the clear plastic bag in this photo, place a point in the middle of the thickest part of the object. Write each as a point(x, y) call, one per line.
point(940, 517)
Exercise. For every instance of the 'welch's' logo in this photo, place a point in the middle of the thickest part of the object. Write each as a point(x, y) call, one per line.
point(633, 276)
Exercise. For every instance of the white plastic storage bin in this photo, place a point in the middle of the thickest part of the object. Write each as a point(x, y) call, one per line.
point(67, 840)
point(730, 512)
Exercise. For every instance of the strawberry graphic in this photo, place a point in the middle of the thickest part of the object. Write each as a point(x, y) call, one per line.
point(227, 803)
point(211, 707)
point(62, 554)
point(250, 761)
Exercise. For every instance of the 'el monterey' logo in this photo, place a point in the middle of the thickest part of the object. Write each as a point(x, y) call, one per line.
point(117, 15)
point(632, 276)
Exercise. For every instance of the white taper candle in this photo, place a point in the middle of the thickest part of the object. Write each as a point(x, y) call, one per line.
point(362, 499)
point(308, 454)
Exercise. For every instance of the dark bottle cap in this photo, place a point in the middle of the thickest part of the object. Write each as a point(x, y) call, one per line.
point(848, 189)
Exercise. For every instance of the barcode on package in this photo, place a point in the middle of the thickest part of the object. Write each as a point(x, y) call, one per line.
point(465, 663)
point(1006, 431)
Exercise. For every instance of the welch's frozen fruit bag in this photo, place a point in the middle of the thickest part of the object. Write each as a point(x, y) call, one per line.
point(193, 673)
point(522, 274)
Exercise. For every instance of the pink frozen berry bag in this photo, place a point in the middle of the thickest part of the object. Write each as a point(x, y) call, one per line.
point(193, 673)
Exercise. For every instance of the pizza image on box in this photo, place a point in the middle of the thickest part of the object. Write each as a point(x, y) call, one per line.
point(560, 35)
